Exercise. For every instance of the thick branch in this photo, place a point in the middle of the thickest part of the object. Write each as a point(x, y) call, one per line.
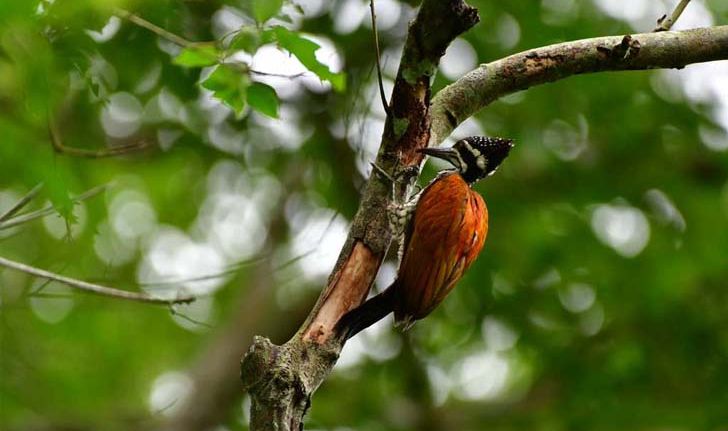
point(281, 379)
point(489, 82)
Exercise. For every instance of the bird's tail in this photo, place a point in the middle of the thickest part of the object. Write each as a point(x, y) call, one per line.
point(370, 312)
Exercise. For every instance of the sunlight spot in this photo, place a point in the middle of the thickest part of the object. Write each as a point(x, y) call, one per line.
point(312, 8)
point(318, 239)
point(631, 11)
point(59, 229)
point(285, 132)
point(592, 321)
point(440, 384)
point(622, 227)
point(508, 31)
point(173, 256)
point(167, 137)
point(226, 138)
point(232, 222)
point(327, 55)
point(227, 20)
point(131, 214)
point(498, 335)
point(543, 321)
point(513, 98)
point(380, 341)
point(110, 248)
point(51, 301)
point(150, 79)
point(482, 376)
point(231, 218)
point(387, 13)
point(121, 116)
point(502, 286)
point(195, 316)
point(245, 405)
point(665, 210)
point(348, 16)
point(577, 297)
point(459, 59)
point(353, 353)
point(386, 275)
point(107, 32)
point(559, 12)
point(547, 279)
point(564, 140)
point(169, 392)
point(8, 198)
point(714, 139)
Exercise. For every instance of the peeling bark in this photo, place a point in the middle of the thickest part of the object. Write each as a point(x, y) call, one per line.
point(281, 379)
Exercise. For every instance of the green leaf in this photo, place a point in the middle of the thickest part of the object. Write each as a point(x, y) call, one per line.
point(263, 10)
point(263, 99)
point(247, 39)
point(197, 56)
point(229, 86)
point(305, 50)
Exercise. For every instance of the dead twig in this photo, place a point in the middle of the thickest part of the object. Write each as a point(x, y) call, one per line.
point(665, 23)
point(94, 288)
point(59, 147)
point(21, 203)
point(379, 66)
point(24, 218)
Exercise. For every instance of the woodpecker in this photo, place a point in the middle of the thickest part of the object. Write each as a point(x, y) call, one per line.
point(442, 235)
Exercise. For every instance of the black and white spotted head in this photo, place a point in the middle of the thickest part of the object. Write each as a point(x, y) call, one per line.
point(475, 157)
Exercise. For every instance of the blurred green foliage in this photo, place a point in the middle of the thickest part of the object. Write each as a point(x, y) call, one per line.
point(600, 301)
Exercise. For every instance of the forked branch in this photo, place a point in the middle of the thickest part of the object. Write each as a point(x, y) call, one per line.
point(281, 379)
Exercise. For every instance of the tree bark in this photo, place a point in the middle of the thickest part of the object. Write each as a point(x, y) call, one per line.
point(489, 82)
point(281, 379)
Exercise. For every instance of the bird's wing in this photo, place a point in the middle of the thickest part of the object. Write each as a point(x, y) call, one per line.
point(446, 234)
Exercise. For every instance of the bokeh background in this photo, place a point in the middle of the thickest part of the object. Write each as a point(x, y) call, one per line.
point(600, 301)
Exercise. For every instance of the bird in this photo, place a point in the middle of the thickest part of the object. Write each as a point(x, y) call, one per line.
point(441, 237)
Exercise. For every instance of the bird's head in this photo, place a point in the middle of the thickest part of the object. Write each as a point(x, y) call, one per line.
point(475, 157)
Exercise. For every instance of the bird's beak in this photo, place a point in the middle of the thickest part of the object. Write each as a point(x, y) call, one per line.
point(447, 154)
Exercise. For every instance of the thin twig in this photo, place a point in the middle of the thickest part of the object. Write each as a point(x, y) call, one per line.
point(665, 23)
point(159, 31)
point(24, 218)
point(379, 66)
point(188, 318)
point(57, 142)
point(231, 269)
point(277, 75)
point(21, 203)
point(91, 287)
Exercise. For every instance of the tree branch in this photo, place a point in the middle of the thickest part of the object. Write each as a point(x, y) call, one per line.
point(25, 200)
point(665, 23)
point(57, 142)
point(489, 82)
point(15, 220)
point(92, 287)
point(281, 379)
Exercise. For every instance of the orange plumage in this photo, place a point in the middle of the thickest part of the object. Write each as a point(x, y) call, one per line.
point(443, 237)
point(447, 233)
